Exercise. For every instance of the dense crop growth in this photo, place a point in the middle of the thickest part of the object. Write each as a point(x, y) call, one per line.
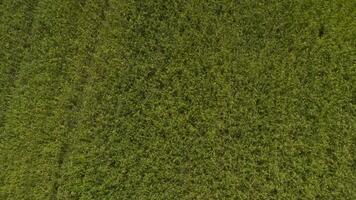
point(163, 99)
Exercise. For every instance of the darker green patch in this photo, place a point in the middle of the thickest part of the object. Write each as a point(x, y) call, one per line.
point(321, 31)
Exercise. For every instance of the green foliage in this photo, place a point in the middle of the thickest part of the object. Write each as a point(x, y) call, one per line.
point(214, 99)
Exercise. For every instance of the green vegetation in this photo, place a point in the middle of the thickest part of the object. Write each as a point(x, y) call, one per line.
point(161, 99)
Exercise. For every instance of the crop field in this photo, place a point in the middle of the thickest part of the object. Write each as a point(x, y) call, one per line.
point(178, 99)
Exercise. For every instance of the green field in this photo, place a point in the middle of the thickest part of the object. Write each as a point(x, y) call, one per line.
point(178, 99)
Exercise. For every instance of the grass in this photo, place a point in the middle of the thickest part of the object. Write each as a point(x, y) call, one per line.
point(214, 99)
